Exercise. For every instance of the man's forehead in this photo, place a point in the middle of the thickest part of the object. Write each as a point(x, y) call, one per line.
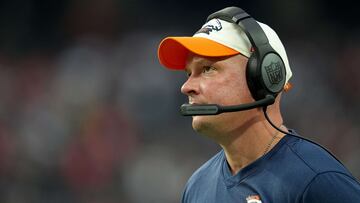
point(196, 59)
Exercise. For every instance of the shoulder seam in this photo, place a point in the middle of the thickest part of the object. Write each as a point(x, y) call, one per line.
point(318, 174)
point(301, 158)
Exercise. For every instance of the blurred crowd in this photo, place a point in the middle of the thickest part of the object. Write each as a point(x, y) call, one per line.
point(88, 115)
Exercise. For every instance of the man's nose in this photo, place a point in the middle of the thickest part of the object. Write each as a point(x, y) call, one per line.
point(190, 87)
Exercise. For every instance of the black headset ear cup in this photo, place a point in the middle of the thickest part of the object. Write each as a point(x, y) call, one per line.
point(273, 73)
point(265, 76)
point(252, 72)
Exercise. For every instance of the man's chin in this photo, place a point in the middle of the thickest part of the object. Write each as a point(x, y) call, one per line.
point(202, 124)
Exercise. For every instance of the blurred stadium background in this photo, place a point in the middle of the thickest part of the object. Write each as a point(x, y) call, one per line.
point(88, 115)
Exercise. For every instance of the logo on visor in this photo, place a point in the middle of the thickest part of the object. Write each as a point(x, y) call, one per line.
point(274, 72)
point(209, 28)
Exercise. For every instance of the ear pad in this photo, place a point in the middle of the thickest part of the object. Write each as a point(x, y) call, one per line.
point(265, 76)
point(273, 72)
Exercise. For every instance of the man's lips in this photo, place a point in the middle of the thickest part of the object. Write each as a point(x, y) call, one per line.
point(196, 103)
point(193, 101)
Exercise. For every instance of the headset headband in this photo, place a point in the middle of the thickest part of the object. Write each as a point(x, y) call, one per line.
point(251, 28)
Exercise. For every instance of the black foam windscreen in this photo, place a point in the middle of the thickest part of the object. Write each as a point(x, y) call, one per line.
point(214, 109)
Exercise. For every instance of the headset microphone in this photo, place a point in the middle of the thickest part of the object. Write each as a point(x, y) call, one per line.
point(214, 109)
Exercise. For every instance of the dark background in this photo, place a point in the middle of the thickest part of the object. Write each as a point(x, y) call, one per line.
point(87, 114)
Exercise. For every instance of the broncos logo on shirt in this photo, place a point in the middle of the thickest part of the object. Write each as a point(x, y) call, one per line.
point(253, 199)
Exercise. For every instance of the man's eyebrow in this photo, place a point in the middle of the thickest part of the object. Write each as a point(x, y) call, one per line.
point(199, 61)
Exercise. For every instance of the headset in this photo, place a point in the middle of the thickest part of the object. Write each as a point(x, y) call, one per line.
point(265, 70)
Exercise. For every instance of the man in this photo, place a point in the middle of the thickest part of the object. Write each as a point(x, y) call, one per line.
point(234, 60)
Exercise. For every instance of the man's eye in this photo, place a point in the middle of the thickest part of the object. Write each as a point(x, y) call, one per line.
point(208, 69)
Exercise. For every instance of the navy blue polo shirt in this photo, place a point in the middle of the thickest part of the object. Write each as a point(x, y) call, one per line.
point(294, 171)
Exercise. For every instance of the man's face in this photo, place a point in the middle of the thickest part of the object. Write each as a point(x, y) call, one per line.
point(217, 81)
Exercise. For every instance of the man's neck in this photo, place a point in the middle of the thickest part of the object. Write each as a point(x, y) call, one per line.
point(249, 145)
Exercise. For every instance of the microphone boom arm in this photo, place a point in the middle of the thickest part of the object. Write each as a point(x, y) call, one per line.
point(214, 109)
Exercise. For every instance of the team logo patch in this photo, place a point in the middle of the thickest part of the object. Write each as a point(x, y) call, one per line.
point(216, 26)
point(253, 199)
point(274, 72)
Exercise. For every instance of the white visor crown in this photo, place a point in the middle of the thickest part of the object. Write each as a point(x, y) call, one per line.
point(232, 36)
